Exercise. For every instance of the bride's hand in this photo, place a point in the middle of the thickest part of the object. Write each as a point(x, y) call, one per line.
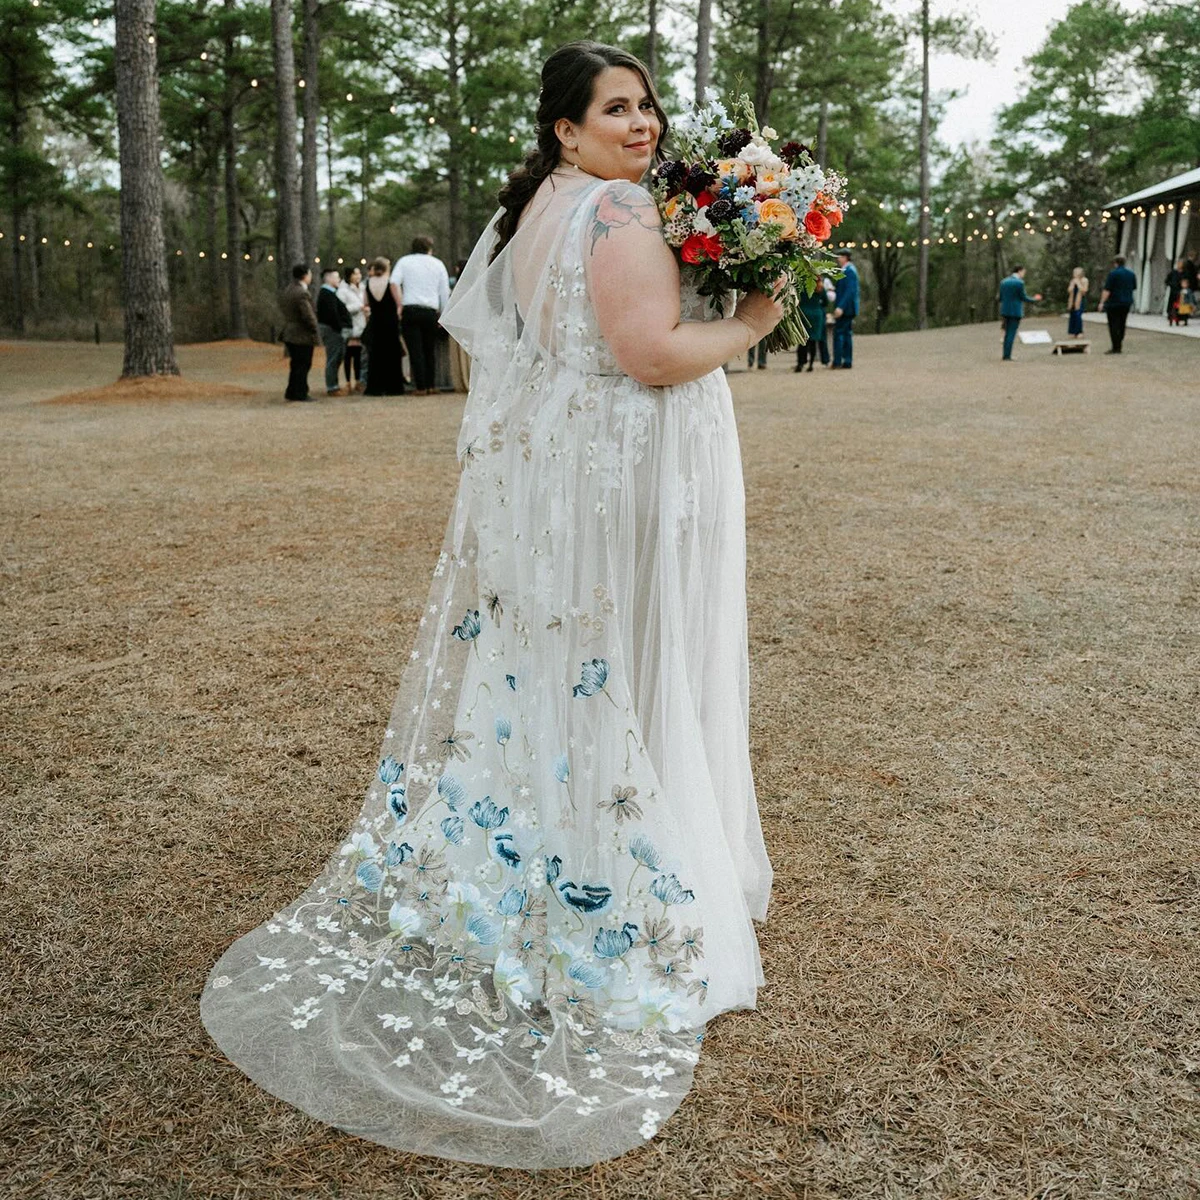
point(760, 312)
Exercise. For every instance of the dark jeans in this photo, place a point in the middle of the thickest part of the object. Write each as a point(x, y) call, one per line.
point(761, 347)
point(353, 363)
point(299, 362)
point(817, 342)
point(1116, 314)
point(843, 342)
point(1011, 325)
point(419, 325)
point(335, 347)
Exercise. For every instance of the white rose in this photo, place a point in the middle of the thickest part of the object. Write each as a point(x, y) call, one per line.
point(701, 223)
point(754, 154)
point(768, 133)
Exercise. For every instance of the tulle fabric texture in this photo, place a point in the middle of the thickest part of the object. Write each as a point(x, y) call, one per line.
point(550, 887)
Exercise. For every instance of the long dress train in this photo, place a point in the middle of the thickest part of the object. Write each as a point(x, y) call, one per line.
point(551, 884)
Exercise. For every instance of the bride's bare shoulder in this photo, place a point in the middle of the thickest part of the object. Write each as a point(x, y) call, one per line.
point(621, 205)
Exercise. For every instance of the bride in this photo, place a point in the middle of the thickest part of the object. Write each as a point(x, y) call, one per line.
point(551, 885)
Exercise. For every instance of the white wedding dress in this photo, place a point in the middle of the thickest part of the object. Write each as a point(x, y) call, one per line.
point(551, 884)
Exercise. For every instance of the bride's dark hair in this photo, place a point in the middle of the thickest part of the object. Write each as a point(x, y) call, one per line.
point(568, 77)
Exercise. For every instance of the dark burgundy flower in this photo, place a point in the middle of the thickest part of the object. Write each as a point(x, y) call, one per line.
point(699, 178)
point(673, 173)
point(791, 151)
point(730, 143)
point(721, 210)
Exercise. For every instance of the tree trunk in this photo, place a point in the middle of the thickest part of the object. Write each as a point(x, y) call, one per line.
point(16, 137)
point(762, 62)
point(652, 37)
point(703, 47)
point(149, 346)
point(35, 265)
point(291, 244)
point(923, 150)
point(823, 131)
point(233, 201)
point(454, 173)
point(310, 210)
point(995, 271)
point(329, 197)
point(212, 187)
point(364, 193)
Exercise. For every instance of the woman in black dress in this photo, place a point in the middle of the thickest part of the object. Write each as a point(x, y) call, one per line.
point(385, 355)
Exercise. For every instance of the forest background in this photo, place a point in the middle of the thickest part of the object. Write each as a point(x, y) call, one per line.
point(352, 125)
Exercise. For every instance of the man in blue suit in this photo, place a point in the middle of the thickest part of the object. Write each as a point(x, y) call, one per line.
point(1116, 300)
point(1013, 299)
point(845, 309)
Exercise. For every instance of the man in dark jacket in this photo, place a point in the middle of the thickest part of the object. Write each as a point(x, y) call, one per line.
point(300, 333)
point(1116, 300)
point(335, 322)
point(1013, 299)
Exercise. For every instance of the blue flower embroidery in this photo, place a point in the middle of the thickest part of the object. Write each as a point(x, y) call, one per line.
point(468, 631)
point(612, 943)
point(397, 802)
point(553, 868)
point(587, 974)
point(511, 902)
point(586, 897)
point(644, 852)
point(562, 772)
point(503, 730)
point(452, 827)
point(511, 680)
point(592, 678)
point(370, 875)
point(390, 770)
point(397, 854)
point(486, 815)
point(451, 791)
point(485, 931)
point(670, 891)
point(504, 848)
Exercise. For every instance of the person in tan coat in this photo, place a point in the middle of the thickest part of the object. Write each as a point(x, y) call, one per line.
point(300, 333)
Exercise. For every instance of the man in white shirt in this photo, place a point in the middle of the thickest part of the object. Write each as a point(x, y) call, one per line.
point(425, 291)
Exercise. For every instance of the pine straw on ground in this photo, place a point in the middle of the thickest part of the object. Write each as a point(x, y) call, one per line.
point(156, 389)
point(974, 650)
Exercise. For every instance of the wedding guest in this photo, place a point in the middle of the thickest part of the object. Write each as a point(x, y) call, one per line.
point(425, 290)
point(812, 310)
point(352, 293)
point(335, 324)
point(385, 355)
point(844, 312)
point(1077, 290)
point(300, 332)
point(1013, 299)
point(761, 349)
point(1177, 282)
point(1116, 299)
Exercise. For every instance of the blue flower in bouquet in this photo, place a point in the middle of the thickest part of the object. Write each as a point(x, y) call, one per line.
point(451, 791)
point(506, 850)
point(503, 730)
point(469, 629)
point(744, 195)
point(643, 850)
point(453, 829)
point(613, 943)
point(390, 770)
point(588, 974)
point(486, 815)
point(670, 891)
point(511, 902)
point(370, 875)
point(592, 678)
point(397, 803)
point(586, 897)
point(397, 854)
point(562, 772)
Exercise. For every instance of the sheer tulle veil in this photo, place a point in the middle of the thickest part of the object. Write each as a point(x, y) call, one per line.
point(550, 887)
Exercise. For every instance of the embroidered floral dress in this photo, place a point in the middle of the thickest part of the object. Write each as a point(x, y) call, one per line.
point(550, 887)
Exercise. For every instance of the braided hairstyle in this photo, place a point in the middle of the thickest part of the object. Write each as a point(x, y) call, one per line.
point(568, 78)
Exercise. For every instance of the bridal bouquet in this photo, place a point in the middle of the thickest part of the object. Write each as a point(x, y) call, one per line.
point(742, 215)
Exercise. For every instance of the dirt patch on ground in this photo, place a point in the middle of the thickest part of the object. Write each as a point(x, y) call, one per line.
point(974, 605)
point(154, 389)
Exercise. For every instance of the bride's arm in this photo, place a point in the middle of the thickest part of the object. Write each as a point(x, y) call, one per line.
point(635, 290)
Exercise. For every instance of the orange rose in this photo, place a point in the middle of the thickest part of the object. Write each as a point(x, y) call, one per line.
point(776, 212)
point(817, 224)
point(825, 204)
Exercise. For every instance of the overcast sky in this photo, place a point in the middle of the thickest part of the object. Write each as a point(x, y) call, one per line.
point(1018, 27)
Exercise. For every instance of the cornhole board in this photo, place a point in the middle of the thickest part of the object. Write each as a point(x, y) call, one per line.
point(1071, 346)
point(1035, 337)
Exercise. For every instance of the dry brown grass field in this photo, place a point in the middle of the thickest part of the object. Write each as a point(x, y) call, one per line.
point(975, 644)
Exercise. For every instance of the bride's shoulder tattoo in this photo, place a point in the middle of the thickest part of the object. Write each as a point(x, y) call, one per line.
point(631, 206)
